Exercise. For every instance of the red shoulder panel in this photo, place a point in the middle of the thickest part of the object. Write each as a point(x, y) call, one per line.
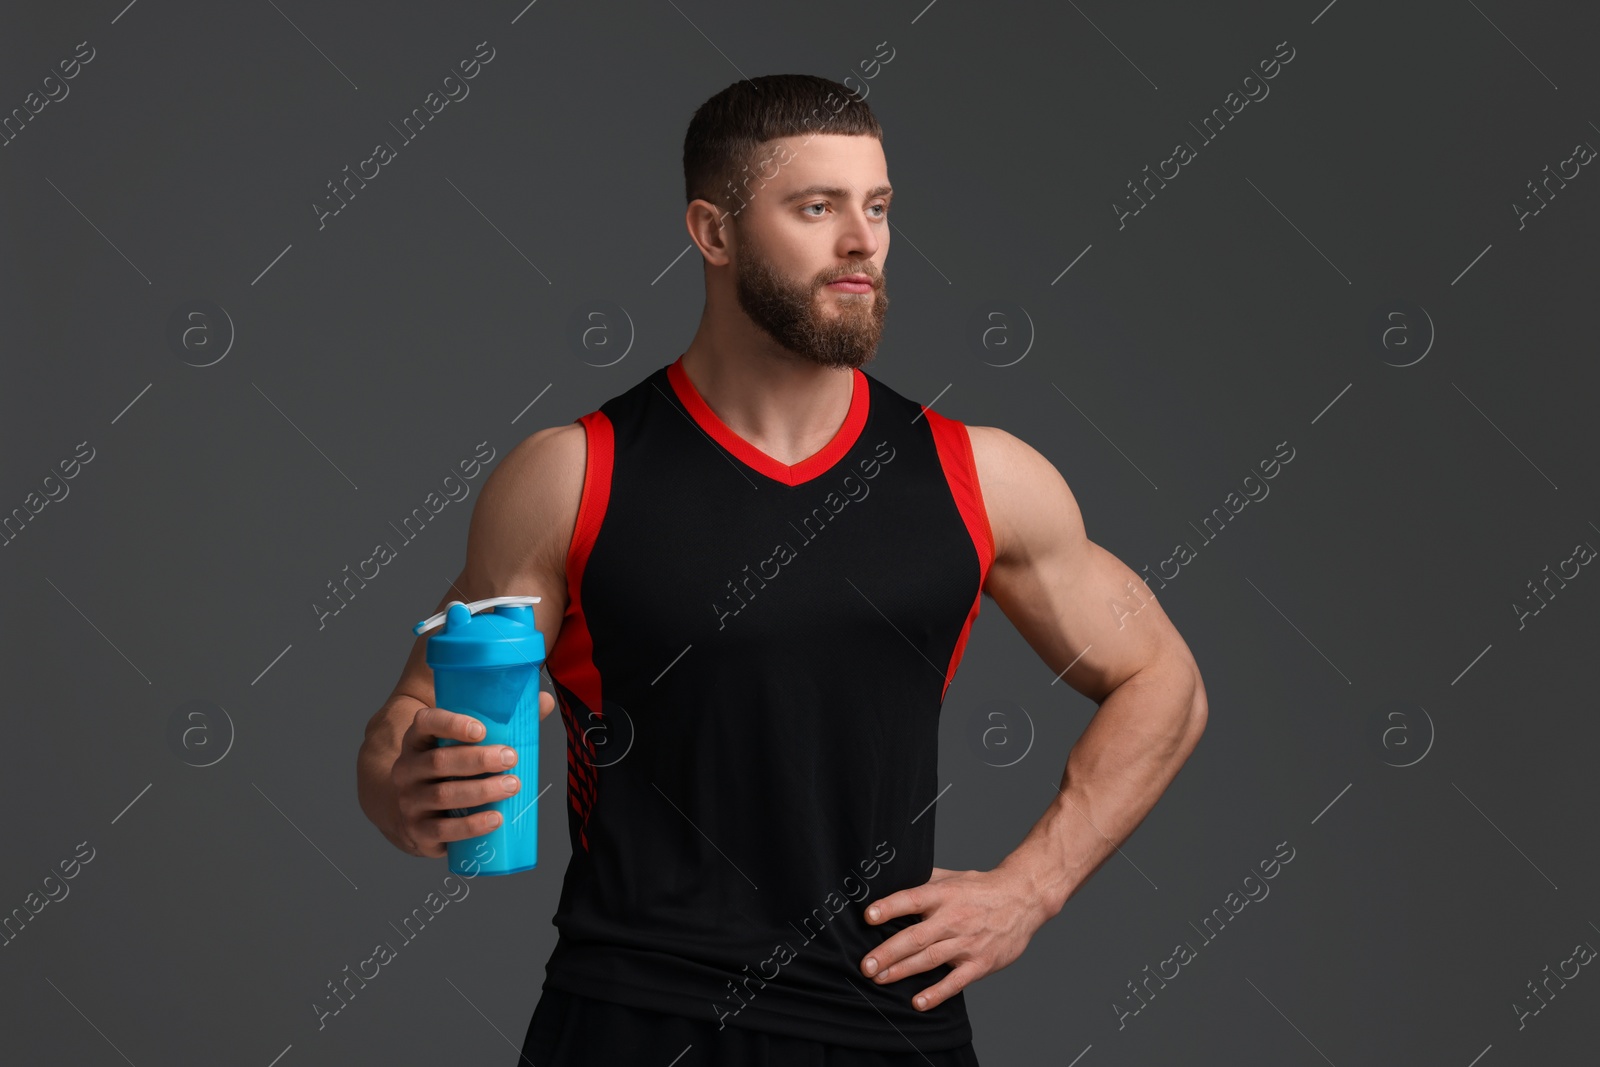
point(961, 472)
point(571, 661)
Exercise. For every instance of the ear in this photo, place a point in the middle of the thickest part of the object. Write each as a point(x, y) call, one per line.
point(710, 229)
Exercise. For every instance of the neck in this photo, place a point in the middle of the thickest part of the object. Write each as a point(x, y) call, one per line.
point(783, 404)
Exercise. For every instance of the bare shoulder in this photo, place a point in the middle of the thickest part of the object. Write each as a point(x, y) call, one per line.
point(1025, 495)
point(522, 524)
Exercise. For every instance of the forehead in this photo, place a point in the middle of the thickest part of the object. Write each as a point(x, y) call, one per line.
point(855, 164)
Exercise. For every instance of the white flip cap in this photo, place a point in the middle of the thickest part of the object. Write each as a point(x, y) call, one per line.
point(474, 607)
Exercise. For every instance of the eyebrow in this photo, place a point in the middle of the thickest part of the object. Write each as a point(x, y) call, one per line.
point(837, 193)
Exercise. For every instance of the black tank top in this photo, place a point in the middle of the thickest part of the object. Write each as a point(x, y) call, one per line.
point(750, 671)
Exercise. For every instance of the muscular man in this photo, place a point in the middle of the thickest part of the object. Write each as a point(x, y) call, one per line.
point(759, 568)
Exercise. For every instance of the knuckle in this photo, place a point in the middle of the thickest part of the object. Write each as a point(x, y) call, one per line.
point(416, 842)
point(461, 827)
point(423, 721)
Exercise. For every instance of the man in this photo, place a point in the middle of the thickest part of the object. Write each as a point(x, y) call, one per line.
point(750, 787)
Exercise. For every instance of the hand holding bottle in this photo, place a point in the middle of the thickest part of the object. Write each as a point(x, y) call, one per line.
point(431, 780)
point(486, 685)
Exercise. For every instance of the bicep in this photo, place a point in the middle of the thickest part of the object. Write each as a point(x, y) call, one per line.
point(1083, 610)
point(517, 541)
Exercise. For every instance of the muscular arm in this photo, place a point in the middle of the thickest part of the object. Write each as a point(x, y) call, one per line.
point(1098, 627)
point(516, 545)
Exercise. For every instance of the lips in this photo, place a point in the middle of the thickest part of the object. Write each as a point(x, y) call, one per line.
point(852, 283)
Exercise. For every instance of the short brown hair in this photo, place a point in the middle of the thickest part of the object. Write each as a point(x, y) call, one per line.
point(728, 129)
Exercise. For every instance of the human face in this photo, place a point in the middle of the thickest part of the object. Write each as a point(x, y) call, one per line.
point(824, 218)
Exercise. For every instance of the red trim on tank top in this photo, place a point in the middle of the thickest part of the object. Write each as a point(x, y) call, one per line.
point(789, 474)
point(571, 661)
point(954, 445)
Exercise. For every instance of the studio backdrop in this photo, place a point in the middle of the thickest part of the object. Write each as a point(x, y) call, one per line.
point(1298, 298)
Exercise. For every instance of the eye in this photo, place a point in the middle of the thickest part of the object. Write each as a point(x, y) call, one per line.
point(884, 208)
point(808, 207)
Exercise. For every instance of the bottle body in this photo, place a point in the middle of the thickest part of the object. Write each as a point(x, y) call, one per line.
point(506, 700)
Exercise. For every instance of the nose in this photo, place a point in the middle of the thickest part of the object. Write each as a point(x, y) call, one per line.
point(859, 241)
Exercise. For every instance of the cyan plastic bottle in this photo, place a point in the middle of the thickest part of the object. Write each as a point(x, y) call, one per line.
point(487, 666)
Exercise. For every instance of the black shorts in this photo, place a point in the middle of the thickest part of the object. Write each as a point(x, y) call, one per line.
point(568, 1030)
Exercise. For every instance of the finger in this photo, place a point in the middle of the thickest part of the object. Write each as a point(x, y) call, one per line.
point(430, 849)
point(445, 828)
point(958, 979)
point(414, 766)
point(425, 802)
point(893, 969)
point(431, 723)
point(547, 704)
point(907, 943)
point(429, 809)
point(466, 792)
point(905, 902)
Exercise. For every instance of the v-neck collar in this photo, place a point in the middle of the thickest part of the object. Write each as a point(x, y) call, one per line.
point(844, 438)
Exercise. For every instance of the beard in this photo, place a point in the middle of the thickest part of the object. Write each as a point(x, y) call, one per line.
point(794, 316)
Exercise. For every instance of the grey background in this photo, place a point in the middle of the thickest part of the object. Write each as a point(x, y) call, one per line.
point(1361, 616)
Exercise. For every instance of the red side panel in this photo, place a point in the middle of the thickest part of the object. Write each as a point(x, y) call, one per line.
point(571, 661)
point(961, 471)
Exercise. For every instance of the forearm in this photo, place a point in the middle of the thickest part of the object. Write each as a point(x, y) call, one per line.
point(1128, 754)
point(375, 762)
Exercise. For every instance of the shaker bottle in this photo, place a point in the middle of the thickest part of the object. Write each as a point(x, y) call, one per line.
point(487, 666)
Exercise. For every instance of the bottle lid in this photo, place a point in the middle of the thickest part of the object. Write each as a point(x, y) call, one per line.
point(503, 637)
